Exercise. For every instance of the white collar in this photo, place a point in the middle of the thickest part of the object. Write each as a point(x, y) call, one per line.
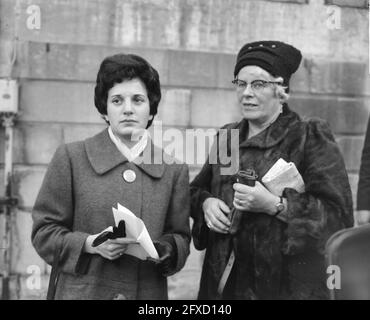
point(130, 153)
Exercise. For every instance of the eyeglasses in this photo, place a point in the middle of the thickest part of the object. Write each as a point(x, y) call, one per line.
point(255, 84)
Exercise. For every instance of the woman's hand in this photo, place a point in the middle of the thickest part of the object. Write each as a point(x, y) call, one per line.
point(215, 211)
point(111, 249)
point(255, 199)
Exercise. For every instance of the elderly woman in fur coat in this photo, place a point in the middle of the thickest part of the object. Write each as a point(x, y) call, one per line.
point(277, 249)
point(86, 179)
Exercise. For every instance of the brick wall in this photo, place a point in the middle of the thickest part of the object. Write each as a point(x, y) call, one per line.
point(193, 44)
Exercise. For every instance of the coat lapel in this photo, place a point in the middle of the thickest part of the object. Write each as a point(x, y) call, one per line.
point(103, 156)
point(148, 161)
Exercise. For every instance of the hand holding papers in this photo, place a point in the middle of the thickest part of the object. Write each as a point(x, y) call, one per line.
point(135, 228)
point(283, 175)
point(111, 233)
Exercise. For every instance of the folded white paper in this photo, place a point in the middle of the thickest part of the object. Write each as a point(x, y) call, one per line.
point(135, 228)
point(283, 175)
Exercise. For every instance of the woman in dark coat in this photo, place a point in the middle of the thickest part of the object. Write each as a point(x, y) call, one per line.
point(277, 250)
point(86, 179)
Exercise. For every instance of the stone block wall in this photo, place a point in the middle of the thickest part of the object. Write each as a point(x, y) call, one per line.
point(192, 43)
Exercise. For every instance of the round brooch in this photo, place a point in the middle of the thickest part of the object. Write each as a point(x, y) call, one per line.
point(129, 175)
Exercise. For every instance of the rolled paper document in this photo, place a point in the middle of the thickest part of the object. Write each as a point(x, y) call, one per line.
point(283, 175)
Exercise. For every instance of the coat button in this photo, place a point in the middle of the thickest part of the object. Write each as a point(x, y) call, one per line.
point(129, 175)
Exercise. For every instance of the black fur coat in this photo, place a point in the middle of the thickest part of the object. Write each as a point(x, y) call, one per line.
point(274, 259)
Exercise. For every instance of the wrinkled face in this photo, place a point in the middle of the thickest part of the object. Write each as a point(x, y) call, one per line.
point(128, 109)
point(259, 105)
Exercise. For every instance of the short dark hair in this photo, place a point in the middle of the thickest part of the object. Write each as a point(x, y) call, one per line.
point(119, 67)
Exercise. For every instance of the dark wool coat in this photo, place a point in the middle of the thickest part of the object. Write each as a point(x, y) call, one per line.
point(276, 260)
point(363, 192)
point(84, 180)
